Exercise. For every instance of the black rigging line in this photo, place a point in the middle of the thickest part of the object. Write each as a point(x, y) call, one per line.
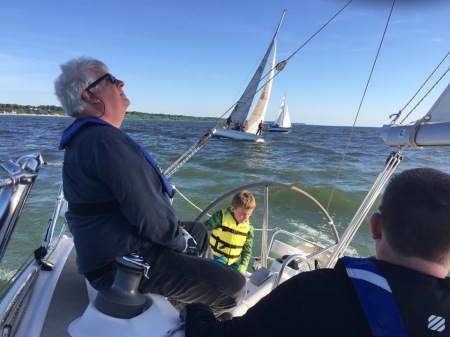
point(206, 137)
point(445, 73)
point(320, 29)
point(280, 65)
point(360, 104)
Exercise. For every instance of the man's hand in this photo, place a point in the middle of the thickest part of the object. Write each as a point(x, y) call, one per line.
point(191, 244)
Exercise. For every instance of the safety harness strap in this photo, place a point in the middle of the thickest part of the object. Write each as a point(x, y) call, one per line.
point(375, 295)
point(73, 129)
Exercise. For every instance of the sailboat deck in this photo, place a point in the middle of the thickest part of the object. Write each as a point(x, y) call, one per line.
point(69, 300)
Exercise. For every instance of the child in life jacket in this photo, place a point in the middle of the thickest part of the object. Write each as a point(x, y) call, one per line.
point(232, 233)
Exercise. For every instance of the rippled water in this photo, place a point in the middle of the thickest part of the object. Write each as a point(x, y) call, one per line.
point(309, 157)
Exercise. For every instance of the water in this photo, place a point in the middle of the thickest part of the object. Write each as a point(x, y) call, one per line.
point(309, 157)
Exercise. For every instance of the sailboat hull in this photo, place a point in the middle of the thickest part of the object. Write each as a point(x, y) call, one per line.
point(237, 135)
point(278, 129)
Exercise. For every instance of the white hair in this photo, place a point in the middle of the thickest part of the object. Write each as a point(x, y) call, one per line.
point(76, 75)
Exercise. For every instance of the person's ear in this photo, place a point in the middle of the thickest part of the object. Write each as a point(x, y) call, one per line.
point(89, 97)
point(376, 222)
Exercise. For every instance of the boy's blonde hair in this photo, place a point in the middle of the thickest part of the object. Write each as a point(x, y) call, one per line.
point(244, 199)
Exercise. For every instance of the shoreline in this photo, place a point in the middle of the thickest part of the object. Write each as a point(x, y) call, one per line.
point(32, 115)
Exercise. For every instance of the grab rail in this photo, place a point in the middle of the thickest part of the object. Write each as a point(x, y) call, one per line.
point(15, 189)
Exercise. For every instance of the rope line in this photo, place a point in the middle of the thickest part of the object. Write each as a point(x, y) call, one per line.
point(188, 201)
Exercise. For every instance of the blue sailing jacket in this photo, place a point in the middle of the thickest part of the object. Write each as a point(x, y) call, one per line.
point(73, 129)
point(375, 295)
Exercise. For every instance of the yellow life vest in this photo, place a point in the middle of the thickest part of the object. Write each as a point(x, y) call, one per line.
point(228, 239)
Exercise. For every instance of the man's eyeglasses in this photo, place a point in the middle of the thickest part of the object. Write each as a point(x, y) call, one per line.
point(101, 78)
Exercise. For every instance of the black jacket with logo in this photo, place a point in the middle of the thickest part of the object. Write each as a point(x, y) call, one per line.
point(324, 303)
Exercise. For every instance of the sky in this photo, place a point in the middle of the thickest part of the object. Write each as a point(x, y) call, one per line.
point(196, 57)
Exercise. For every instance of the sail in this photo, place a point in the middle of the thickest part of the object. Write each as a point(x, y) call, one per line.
point(440, 111)
point(242, 107)
point(283, 118)
point(279, 119)
point(261, 107)
point(432, 130)
point(286, 118)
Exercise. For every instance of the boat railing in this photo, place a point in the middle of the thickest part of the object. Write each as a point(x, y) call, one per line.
point(15, 185)
point(41, 254)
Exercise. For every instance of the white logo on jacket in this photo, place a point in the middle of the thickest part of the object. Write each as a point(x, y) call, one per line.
point(436, 323)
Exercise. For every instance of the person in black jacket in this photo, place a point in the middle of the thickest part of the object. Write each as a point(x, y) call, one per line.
point(260, 128)
point(402, 291)
point(119, 199)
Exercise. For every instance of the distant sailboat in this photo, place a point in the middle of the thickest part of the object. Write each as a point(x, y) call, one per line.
point(237, 127)
point(283, 121)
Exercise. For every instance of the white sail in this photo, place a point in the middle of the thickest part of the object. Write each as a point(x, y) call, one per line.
point(279, 119)
point(283, 118)
point(242, 107)
point(240, 112)
point(440, 111)
point(432, 130)
point(286, 118)
point(282, 122)
point(261, 107)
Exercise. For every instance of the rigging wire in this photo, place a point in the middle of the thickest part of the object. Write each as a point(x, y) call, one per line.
point(188, 154)
point(320, 29)
point(360, 105)
point(279, 67)
point(397, 115)
point(282, 64)
point(430, 90)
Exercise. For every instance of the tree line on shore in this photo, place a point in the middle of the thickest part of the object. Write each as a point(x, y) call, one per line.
point(52, 110)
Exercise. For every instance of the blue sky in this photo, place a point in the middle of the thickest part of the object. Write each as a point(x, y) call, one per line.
point(196, 57)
